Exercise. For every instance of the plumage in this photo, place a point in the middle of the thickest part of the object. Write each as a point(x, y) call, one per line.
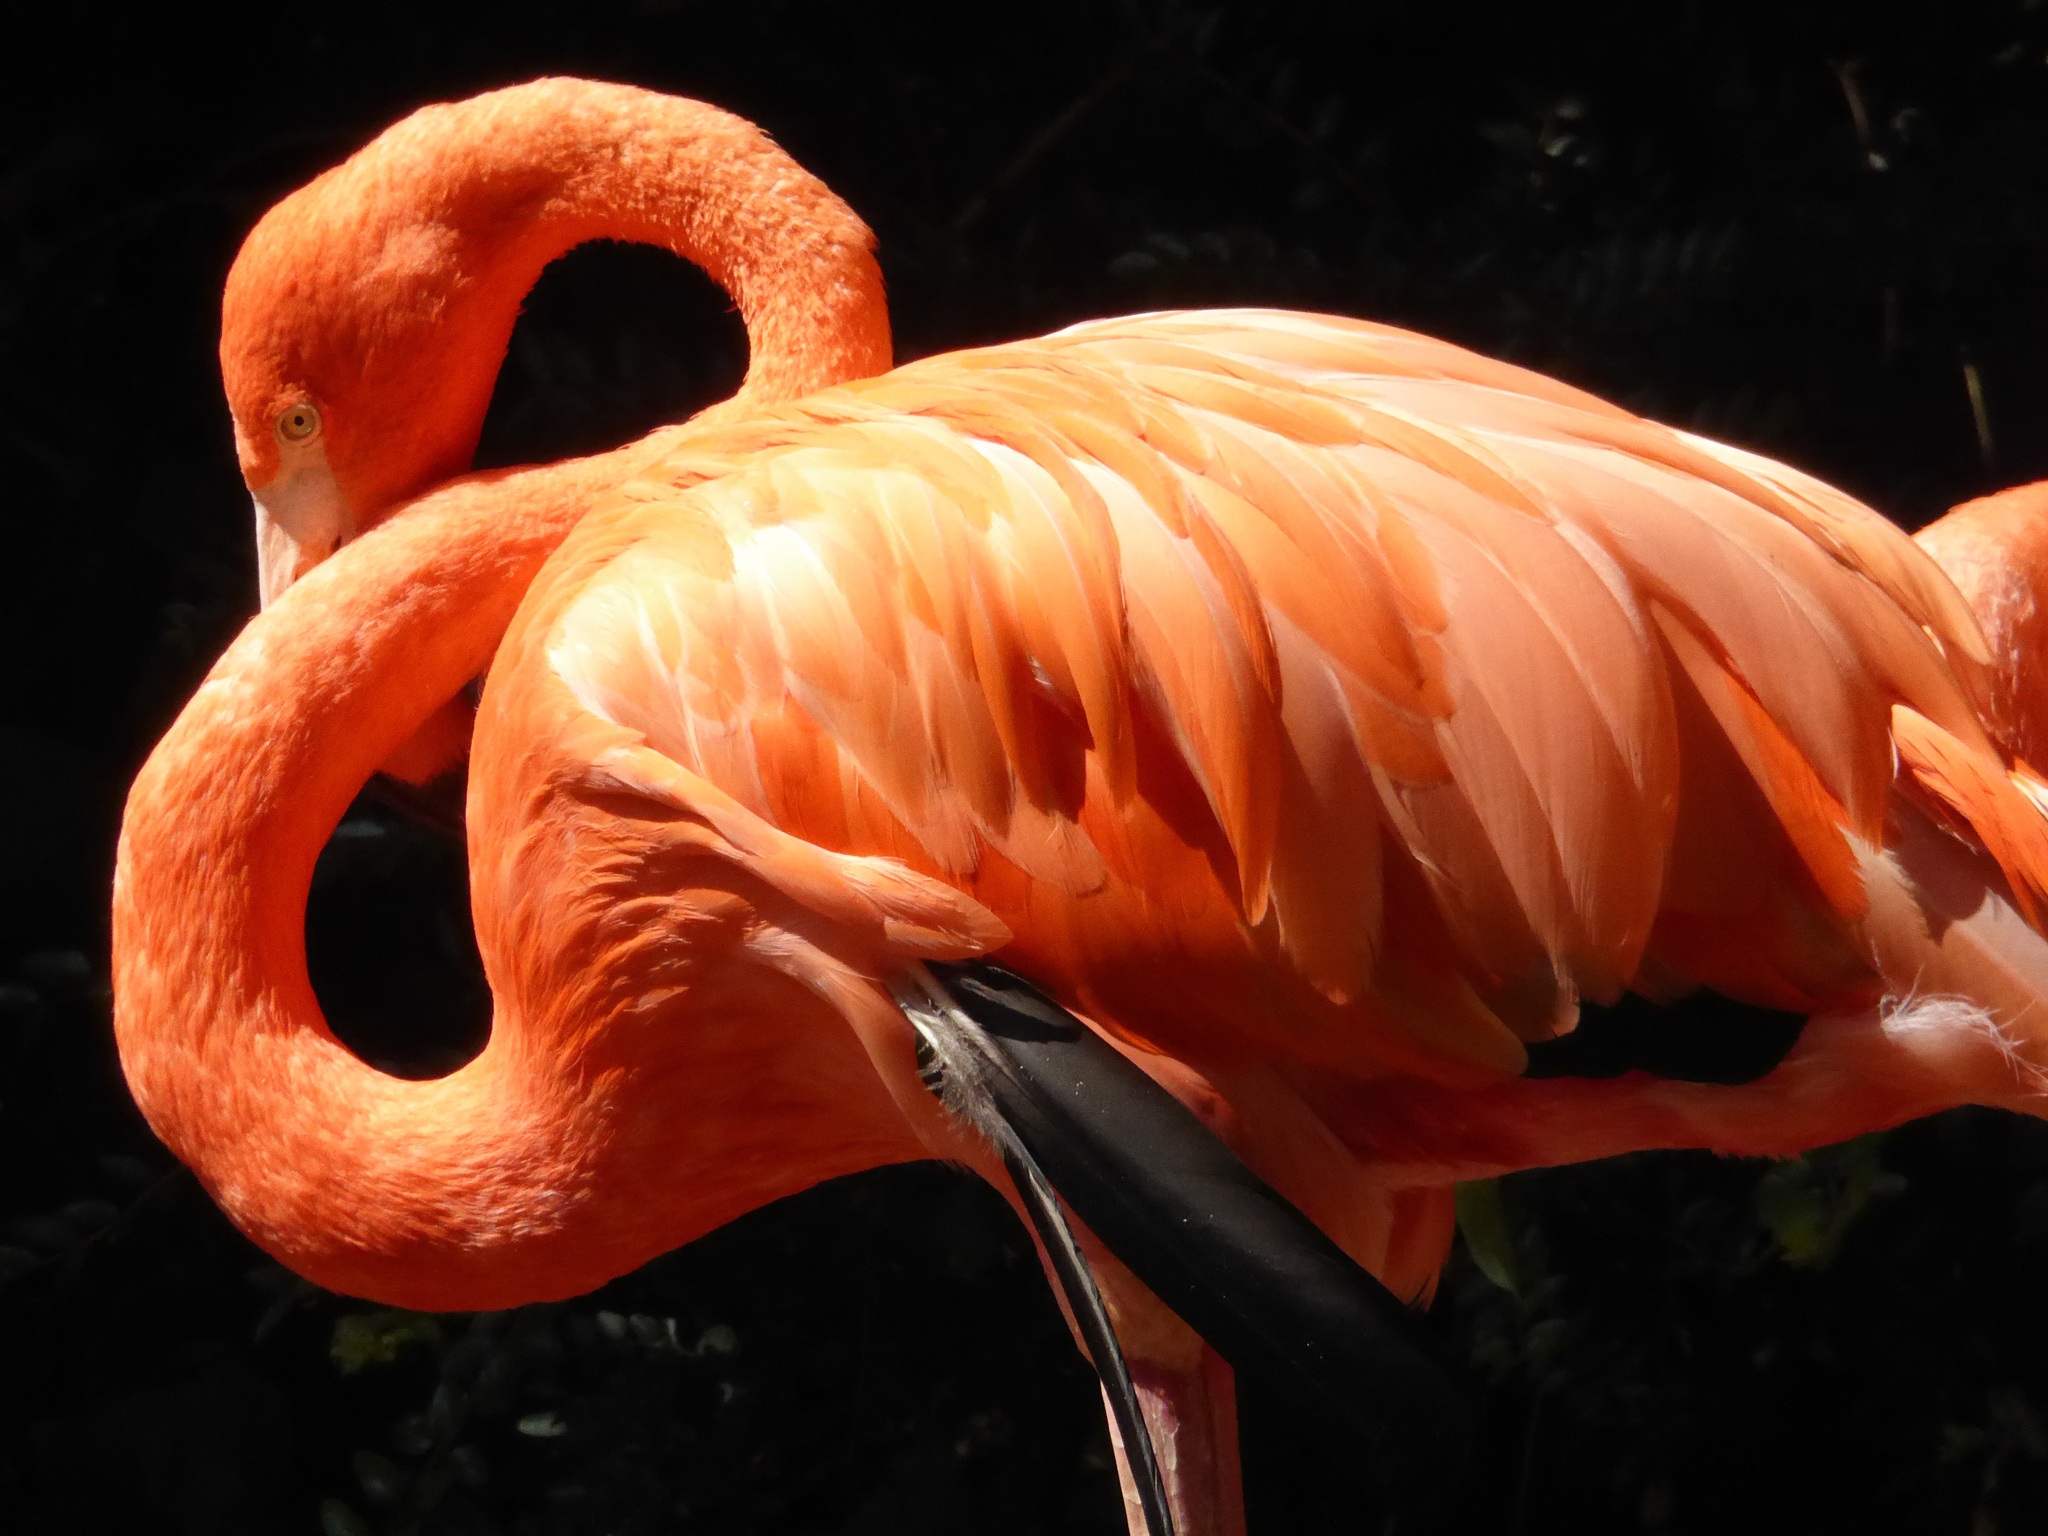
point(1323, 711)
point(1533, 585)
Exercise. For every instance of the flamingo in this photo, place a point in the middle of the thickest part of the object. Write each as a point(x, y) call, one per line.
point(1314, 712)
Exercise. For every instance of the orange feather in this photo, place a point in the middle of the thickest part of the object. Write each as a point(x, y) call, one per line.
point(1320, 709)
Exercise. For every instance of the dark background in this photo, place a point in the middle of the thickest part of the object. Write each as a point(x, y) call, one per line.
point(1817, 230)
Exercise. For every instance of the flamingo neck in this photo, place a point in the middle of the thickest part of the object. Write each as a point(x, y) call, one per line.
point(409, 1191)
point(406, 267)
point(1995, 550)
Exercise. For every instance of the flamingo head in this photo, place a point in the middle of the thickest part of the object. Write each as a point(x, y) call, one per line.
point(367, 315)
point(358, 349)
point(302, 514)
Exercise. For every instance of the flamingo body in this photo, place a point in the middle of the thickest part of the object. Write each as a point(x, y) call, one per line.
point(1320, 710)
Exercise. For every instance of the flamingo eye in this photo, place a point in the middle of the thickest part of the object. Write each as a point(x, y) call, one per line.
point(298, 424)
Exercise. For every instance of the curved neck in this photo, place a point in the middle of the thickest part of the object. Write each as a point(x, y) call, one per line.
point(578, 1144)
point(405, 267)
point(409, 1191)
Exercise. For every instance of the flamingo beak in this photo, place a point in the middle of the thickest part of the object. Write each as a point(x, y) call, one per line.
point(301, 518)
point(1080, 1126)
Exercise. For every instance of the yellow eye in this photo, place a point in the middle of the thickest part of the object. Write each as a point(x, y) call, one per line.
point(298, 424)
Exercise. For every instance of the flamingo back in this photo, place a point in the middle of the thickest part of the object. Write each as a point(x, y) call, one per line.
point(1289, 687)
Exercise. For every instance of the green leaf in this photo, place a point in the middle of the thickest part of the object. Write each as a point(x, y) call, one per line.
point(1808, 1204)
point(375, 1338)
point(1484, 1223)
point(337, 1519)
point(380, 1479)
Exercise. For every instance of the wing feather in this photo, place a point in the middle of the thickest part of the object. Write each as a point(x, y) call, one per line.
point(1968, 791)
point(1408, 625)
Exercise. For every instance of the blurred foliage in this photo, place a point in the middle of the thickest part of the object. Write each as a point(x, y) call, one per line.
point(376, 1338)
point(1808, 1204)
point(1817, 229)
point(1489, 1241)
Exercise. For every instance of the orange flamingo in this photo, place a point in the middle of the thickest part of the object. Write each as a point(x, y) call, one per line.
point(1319, 710)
